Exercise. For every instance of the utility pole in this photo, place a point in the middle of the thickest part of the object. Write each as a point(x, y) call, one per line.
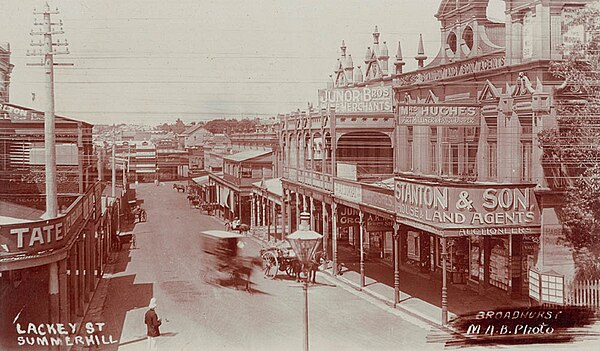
point(113, 168)
point(48, 53)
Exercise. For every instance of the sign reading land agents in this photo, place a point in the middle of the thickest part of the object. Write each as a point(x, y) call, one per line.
point(438, 115)
point(469, 209)
point(358, 100)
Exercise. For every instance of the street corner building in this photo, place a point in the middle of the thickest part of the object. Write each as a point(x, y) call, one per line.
point(49, 267)
point(437, 173)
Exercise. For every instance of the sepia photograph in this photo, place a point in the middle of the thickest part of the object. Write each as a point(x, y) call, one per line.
point(299, 175)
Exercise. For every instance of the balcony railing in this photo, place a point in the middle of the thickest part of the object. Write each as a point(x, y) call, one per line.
point(311, 178)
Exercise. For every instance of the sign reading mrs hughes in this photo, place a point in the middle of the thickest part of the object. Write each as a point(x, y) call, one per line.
point(469, 210)
point(358, 100)
point(438, 115)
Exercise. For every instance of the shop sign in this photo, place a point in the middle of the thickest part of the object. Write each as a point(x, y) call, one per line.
point(378, 199)
point(470, 210)
point(44, 235)
point(347, 216)
point(346, 170)
point(476, 65)
point(17, 113)
point(376, 99)
point(438, 115)
point(375, 223)
point(348, 191)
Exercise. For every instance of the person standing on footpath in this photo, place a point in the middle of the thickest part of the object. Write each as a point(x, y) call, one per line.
point(152, 322)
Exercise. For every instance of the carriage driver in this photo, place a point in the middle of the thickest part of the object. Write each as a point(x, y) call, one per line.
point(236, 223)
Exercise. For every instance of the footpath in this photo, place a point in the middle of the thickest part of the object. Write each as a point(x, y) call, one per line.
point(420, 294)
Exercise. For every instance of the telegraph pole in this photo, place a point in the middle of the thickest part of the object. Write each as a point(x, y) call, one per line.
point(48, 53)
point(112, 165)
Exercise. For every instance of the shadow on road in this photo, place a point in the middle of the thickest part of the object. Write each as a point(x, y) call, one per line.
point(121, 260)
point(123, 295)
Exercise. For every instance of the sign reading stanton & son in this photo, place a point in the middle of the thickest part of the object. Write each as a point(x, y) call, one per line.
point(475, 65)
point(468, 209)
point(438, 115)
point(358, 100)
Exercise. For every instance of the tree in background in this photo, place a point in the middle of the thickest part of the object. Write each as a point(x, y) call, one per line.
point(230, 126)
point(574, 146)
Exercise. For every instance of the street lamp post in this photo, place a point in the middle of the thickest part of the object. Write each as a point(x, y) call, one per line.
point(305, 243)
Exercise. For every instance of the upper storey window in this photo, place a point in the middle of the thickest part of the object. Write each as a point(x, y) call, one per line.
point(451, 45)
point(467, 41)
point(527, 35)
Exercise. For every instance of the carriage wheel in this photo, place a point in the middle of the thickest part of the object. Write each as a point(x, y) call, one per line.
point(270, 264)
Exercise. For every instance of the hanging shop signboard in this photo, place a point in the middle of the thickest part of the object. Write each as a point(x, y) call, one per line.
point(466, 210)
point(380, 199)
point(376, 99)
point(347, 216)
point(348, 191)
point(374, 223)
point(438, 115)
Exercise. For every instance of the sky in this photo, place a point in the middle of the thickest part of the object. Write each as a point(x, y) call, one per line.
point(153, 61)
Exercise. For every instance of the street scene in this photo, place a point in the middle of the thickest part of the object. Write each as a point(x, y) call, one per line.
point(266, 175)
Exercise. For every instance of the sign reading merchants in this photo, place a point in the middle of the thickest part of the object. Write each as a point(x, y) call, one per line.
point(376, 99)
point(438, 115)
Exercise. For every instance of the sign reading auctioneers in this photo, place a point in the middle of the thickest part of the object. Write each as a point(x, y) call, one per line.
point(376, 99)
point(438, 115)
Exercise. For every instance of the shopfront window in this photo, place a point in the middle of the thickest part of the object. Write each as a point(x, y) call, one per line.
point(499, 274)
point(475, 259)
point(413, 251)
point(457, 263)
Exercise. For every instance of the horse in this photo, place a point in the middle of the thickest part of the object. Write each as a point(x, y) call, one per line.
point(243, 229)
point(313, 267)
point(242, 271)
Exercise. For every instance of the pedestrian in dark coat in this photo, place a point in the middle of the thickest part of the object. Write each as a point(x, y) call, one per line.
point(152, 323)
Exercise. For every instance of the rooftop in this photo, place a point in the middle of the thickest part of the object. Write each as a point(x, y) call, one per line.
point(247, 155)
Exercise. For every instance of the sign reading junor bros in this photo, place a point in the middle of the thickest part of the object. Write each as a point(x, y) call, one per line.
point(469, 210)
point(358, 100)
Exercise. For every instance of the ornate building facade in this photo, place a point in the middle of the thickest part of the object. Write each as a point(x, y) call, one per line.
point(439, 170)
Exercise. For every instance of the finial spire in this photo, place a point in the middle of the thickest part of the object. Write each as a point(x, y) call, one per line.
point(421, 57)
point(399, 61)
point(376, 36)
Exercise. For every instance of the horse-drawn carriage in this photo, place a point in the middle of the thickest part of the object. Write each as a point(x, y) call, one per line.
point(179, 187)
point(279, 258)
point(230, 268)
point(282, 258)
point(237, 225)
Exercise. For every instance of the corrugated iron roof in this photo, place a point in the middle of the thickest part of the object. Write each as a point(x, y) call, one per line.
point(247, 155)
